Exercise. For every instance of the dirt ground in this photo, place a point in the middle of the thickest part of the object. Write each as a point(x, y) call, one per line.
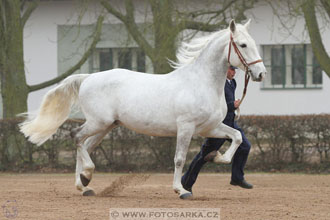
point(275, 196)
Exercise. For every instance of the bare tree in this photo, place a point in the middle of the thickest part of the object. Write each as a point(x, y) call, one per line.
point(308, 8)
point(311, 11)
point(168, 21)
point(14, 88)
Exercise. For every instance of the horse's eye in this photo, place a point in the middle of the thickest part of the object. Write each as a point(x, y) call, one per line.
point(243, 45)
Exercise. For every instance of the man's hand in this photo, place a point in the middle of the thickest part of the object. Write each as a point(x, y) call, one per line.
point(237, 103)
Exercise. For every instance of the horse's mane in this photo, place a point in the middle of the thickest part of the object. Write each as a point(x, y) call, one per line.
point(188, 52)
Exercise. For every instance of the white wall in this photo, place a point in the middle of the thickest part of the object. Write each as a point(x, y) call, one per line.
point(40, 41)
point(265, 29)
point(283, 102)
point(40, 54)
point(40, 46)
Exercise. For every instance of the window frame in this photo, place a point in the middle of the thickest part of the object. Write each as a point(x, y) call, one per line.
point(288, 67)
point(94, 59)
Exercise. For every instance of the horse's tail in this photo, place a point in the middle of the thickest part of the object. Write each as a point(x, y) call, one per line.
point(54, 110)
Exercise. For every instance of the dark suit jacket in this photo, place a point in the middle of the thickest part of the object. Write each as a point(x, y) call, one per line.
point(230, 98)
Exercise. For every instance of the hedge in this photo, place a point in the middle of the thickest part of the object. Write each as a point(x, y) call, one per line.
point(279, 143)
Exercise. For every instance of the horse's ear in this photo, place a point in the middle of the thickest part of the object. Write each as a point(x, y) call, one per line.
point(232, 26)
point(247, 24)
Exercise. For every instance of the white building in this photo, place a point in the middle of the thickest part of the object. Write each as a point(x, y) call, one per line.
point(53, 42)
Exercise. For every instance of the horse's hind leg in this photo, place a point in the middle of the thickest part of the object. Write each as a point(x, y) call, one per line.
point(85, 166)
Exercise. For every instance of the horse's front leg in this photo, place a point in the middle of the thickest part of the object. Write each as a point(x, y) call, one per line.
point(224, 131)
point(184, 135)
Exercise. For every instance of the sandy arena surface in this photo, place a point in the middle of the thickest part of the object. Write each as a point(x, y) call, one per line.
point(275, 196)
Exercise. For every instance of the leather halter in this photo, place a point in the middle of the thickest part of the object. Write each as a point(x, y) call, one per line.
point(239, 54)
point(245, 64)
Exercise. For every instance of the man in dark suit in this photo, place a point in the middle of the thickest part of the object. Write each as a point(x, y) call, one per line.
point(214, 144)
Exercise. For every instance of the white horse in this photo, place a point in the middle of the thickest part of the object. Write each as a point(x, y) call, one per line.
point(188, 101)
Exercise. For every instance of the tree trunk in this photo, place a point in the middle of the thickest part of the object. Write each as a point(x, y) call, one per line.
point(314, 34)
point(168, 22)
point(14, 90)
point(165, 33)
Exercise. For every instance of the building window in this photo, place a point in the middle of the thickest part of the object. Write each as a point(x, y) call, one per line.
point(291, 66)
point(317, 72)
point(109, 58)
point(105, 59)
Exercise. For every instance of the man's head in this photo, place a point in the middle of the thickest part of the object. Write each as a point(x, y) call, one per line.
point(231, 72)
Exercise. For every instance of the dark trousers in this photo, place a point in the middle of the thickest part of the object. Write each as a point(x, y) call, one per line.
point(211, 144)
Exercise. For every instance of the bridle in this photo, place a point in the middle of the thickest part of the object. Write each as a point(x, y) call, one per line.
point(245, 64)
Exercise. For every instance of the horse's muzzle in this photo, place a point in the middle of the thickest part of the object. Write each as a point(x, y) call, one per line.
point(261, 76)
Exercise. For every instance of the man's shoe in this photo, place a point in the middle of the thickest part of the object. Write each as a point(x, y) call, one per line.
point(242, 184)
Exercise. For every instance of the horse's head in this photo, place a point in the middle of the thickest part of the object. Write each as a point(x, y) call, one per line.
point(243, 52)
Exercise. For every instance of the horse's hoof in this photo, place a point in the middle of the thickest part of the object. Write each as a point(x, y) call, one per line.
point(89, 192)
point(186, 196)
point(221, 160)
point(84, 180)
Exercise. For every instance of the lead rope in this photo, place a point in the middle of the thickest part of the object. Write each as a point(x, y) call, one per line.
point(246, 65)
point(247, 78)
